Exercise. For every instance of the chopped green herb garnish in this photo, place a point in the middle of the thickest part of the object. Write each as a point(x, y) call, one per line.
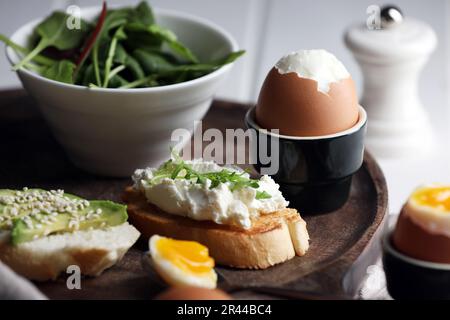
point(262, 195)
point(177, 168)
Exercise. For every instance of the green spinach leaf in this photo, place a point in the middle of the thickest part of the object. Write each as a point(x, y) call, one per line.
point(118, 35)
point(186, 72)
point(120, 56)
point(114, 19)
point(60, 71)
point(152, 62)
point(117, 81)
point(38, 58)
point(158, 34)
point(142, 14)
point(134, 67)
point(53, 31)
point(145, 82)
point(89, 79)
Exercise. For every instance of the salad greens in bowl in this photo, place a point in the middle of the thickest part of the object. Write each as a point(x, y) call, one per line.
point(113, 92)
point(120, 48)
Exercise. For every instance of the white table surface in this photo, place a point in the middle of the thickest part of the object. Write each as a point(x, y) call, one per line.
point(403, 175)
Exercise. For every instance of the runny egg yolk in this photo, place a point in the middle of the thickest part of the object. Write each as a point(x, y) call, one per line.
point(434, 197)
point(189, 256)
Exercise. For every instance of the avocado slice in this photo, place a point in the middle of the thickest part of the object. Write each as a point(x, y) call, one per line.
point(113, 214)
point(4, 223)
point(99, 214)
point(23, 212)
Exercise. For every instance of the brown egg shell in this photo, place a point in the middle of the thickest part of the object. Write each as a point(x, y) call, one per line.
point(294, 105)
point(193, 293)
point(416, 242)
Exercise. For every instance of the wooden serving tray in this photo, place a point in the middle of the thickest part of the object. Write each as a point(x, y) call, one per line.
point(343, 243)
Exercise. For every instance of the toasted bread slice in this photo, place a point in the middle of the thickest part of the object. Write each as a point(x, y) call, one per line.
point(273, 238)
point(92, 251)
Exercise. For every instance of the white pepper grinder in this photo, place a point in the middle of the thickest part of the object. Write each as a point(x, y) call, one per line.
point(391, 58)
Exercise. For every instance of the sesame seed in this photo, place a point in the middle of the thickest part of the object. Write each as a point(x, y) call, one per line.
point(14, 211)
point(73, 224)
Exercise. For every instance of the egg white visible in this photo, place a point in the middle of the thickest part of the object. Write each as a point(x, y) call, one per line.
point(434, 220)
point(173, 275)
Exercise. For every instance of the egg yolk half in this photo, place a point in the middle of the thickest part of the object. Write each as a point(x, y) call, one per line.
point(189, 256)
point(434, 197)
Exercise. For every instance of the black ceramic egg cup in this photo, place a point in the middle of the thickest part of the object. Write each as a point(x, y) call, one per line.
point(315, 173)
point(410, 278)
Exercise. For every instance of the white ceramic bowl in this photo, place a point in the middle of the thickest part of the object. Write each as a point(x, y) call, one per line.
point(114, 131)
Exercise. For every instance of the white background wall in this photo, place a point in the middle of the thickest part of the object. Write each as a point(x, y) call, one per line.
point(267, 29)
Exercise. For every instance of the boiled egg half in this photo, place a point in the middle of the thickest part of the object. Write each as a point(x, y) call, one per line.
point(182, 263)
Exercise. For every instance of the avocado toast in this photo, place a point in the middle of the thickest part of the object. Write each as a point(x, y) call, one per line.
point(43, 232)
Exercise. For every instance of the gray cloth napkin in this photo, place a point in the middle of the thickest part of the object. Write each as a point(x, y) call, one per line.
point(15, 287)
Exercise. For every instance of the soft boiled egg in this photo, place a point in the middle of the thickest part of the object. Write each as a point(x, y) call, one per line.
point(182, 263)
point(308, 93)
point(423, 227)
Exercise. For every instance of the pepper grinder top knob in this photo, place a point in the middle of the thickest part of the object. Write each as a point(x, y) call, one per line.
point(390, 16)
